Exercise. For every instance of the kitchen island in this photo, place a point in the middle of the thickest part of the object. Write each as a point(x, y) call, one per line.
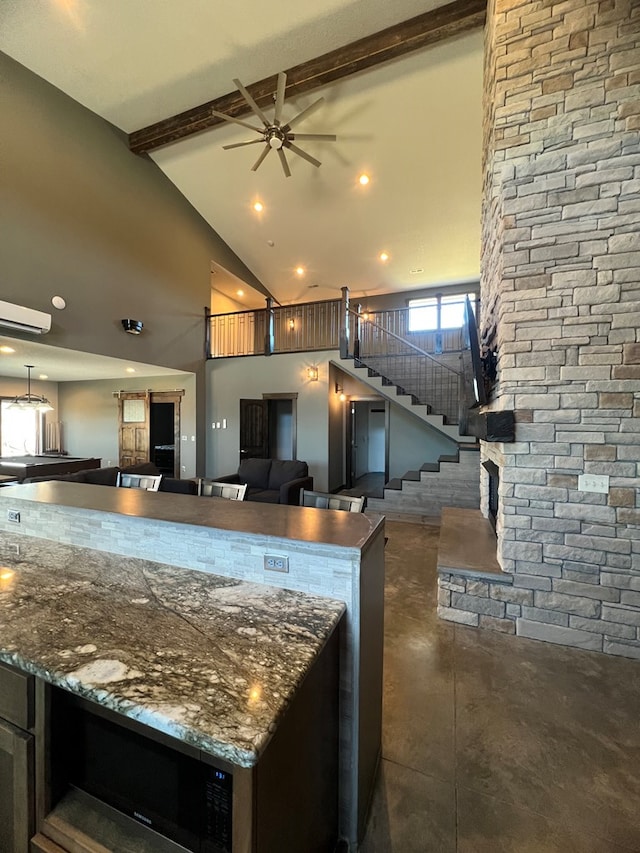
point(216, 663)
point(328, 553)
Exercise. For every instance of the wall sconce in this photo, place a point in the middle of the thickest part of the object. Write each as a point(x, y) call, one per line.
point(340, 392)
point(312, 373)
point(292, 323)
point(133, 327)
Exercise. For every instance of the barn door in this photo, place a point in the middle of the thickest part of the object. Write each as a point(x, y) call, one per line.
point(254, 429)
point(133, 427)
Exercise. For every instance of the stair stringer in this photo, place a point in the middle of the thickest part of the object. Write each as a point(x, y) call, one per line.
point(404, 400)
point(453, 484)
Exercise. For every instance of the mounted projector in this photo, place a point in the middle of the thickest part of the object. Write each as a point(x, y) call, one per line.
point(24, 319)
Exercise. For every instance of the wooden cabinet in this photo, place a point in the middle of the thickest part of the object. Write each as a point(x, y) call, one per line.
point(16, 761)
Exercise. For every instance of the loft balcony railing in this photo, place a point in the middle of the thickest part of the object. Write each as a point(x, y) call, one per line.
point(292, 328)
point(309, 326)
point(428, 365)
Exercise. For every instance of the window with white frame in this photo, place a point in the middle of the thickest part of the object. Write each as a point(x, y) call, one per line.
point(20, 430)
point(433, 313)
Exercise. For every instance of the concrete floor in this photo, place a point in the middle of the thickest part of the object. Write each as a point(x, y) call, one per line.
point(496, 744)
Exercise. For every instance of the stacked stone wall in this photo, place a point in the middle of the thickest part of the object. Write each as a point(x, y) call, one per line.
point(561, 302)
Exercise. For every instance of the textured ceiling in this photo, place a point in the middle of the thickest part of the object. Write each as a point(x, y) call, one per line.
point(63, 365)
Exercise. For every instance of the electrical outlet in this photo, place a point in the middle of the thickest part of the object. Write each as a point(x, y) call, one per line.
point(13, 515)
point(276, 563)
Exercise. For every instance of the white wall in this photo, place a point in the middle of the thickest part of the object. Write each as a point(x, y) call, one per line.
point(411, 443)
point(89, 413)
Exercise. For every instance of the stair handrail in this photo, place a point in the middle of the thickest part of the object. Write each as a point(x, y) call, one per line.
point(360, 317)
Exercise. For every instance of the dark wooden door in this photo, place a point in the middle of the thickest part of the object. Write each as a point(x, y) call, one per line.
point(254, 429)
point(133, 427)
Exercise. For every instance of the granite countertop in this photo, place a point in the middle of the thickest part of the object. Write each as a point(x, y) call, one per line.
point(212, 661)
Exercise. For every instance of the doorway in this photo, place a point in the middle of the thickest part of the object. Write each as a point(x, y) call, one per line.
point(149, 429)
point(366, 443)
point(268, 427)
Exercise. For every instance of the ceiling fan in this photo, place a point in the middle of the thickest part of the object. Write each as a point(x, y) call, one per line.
point(275, 135)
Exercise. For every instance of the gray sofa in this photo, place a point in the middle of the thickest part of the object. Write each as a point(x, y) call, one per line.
point(275, 481)
point(109, 476)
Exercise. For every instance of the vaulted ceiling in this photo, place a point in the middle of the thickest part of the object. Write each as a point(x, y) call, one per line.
point(412, 123)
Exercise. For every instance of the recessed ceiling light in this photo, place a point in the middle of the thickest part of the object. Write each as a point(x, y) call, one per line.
point(258, 206)
point(5, 348)
point(239, 292)
point(43, 376)
point(299, 270)
point(364, 179)
point(130, 369)
point(384, 256)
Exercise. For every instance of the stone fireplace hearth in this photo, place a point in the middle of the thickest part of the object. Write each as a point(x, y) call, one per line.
point(560, 296)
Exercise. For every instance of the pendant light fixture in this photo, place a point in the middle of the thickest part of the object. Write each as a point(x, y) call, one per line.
point(29, 400)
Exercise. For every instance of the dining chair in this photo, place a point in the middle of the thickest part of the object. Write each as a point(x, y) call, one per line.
point(139, 481)
point(325, 500)
point(230, 491)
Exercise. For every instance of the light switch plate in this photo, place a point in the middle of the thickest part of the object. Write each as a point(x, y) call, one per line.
point(593, 483)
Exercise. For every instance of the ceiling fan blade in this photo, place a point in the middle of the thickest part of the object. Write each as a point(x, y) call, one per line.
point(285, 165)
point(256, 109)
point(282, 85)
point(302, 154)
point(258, 162)
point(310, 109)
point(327, 137)
point(240, 144)
point(236, 121)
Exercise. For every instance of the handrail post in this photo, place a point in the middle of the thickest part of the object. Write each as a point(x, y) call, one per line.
point(207, 332)
point(269, 337)
point(356, 342)
point(344, 323)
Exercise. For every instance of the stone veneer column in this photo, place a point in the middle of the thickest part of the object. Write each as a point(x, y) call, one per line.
point(561, 304)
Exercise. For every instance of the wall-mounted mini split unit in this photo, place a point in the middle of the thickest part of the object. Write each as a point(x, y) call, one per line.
point(24, 319)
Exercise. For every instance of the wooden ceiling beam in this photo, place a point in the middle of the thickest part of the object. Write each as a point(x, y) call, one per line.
point(398, 40)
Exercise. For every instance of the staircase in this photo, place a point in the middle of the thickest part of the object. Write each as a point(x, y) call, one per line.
point(431, 389)
point(399, 395)
point(421, 495)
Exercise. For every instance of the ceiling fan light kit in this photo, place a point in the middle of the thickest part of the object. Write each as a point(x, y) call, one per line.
point(274, 135)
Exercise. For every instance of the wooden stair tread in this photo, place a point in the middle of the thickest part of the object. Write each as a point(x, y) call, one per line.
point(412, 476)
point(394, 484)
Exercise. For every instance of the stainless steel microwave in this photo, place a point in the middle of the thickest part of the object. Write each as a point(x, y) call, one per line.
point(171, 793)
